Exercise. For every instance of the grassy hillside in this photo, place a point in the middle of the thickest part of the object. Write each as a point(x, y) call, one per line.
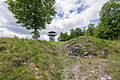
point(29, 60)
point(92, 47)
point(93, 59)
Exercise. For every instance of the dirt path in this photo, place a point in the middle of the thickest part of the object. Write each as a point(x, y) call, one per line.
point(74, 72)
point(85, 69)
point(81, 68)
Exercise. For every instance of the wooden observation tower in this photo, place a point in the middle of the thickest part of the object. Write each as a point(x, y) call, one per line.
point(52, 35)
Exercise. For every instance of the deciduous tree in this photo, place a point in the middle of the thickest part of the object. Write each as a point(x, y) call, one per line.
point(32, 14)
point(109, 26)
point(63, 37)
point(90, 30)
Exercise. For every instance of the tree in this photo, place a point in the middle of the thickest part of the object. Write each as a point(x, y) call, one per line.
point(63, 37)
point(72, 34)
point(32, 14)
point(78, 32)
point(90, 30)
point(109, 26)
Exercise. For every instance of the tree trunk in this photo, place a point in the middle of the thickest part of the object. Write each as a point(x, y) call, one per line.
point(35, 34)
point(84, 31)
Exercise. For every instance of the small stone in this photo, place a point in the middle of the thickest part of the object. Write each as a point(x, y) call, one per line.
point(64, 70)
point(92, 71)
point(85, 56)
point(36, 69)
point(106, 77)
point(103, 78)
point(109, 78)
point(25, 63)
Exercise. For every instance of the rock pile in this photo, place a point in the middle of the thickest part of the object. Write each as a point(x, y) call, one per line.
point(106, 77)
point(78, 50)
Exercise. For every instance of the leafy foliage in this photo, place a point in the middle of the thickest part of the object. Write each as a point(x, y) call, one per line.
point(76, 33)
point(73, 34)
point(32, 14)
point(90, 30)
point(109, 27)
point(63, 37)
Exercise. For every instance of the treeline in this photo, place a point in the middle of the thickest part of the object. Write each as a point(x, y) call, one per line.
point(74, 33)
point(108, 28)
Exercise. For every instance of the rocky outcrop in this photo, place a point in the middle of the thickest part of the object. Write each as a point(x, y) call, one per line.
point(77, 50)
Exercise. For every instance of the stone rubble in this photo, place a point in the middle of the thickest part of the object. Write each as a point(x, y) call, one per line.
point(77, 50)
point(106, 77)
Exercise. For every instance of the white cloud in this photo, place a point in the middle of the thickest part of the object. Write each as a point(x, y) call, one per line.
point(72, 20)
point(90, 11)
point(6, 33)
point(2, 1)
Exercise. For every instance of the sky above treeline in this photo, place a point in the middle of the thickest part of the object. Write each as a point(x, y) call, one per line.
point(70, 14)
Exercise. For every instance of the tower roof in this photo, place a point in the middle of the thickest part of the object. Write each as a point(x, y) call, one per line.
point(52, 33)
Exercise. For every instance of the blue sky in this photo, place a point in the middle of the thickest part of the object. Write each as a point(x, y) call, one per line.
point(70, 14)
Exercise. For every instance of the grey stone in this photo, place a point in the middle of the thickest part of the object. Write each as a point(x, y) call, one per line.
point(106, 77)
